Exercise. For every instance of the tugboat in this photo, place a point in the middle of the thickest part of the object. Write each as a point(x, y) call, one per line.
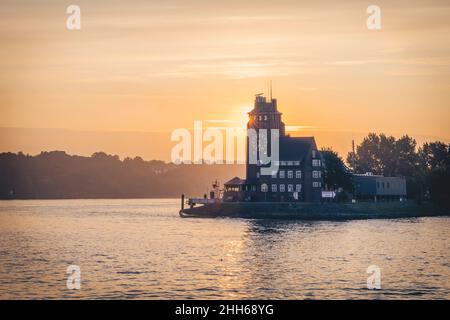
point(213, 202)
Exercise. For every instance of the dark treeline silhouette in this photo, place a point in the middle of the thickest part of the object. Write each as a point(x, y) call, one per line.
point(426, 168)
point(57, 175)
point(336, 174)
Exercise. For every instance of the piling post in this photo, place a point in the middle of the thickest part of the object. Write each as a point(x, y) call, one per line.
point(182, 201)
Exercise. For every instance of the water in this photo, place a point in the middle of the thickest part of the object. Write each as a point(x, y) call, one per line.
point(141, 249)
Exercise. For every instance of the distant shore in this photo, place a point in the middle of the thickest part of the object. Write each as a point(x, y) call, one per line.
point(85, 198)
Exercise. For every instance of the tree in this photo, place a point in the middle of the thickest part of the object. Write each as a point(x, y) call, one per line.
point(435, 163)
point(336, 174)
point(426, 170)
point(367, 157)
point(406, 159)
point(435, 155)
point(384, 155)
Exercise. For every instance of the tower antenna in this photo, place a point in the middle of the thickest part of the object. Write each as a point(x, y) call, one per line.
point(271, 90)
point(354, 154)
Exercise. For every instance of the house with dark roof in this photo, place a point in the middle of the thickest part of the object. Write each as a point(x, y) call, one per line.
point(298, 177)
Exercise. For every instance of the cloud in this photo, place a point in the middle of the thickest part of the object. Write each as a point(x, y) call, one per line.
point(437, 61)
point(301, 128)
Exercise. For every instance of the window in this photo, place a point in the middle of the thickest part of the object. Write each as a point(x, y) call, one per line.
point(281, 174)
point(316, 163)
point(281, 187)
point(290, 163)
point(257, 174)
point(387, 185)
point(316, 174)
point(265, 118)
point(313, 153)
point(290, 188)
point(283, 163)
point(316, 184)
point(264, 187)
point(298, 174)
point(274, 188)
point(290, 174)
point(296, 163)
point(382, 184)
point(253, 188)
point(298, 188)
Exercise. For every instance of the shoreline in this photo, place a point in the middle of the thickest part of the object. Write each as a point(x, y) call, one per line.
point(316, 211)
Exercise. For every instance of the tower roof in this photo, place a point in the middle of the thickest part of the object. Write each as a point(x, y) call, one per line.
point(262, 105)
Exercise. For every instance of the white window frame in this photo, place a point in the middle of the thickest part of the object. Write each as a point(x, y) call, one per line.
point(282, 188)
point(290, 188)
point(290, 174)
point(274, 188)
point(281, 174)
point(316, 174)
point(298, 188)
point(298, 174)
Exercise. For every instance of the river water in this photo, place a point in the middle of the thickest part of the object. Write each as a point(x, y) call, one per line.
point(142, 249)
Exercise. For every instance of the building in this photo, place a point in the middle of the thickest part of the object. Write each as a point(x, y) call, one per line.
point(299, 176)
point(376, 187)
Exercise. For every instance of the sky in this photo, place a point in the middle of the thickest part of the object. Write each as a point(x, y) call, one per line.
point(153, 66)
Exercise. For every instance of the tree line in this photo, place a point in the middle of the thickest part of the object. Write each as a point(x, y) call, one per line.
point(57, 175)
point(426, 168)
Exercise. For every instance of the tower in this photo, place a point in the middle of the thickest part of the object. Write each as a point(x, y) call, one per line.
point(263, 116)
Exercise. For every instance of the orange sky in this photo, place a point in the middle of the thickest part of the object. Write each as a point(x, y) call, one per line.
point(153, 66)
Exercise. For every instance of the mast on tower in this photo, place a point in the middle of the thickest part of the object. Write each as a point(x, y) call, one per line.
point(270, 90)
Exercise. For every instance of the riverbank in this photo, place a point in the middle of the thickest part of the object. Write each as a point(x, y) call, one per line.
point(316, 211)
